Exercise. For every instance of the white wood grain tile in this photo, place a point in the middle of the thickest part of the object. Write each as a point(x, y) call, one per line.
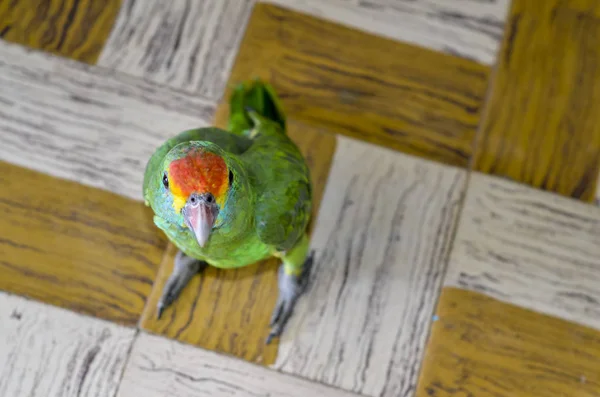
point(191, 45)
point(468, 28)
point(187, 44)
point(528, 247)
point(381, 242)
point(85, 123)
point(160, 367)
point(46, 351)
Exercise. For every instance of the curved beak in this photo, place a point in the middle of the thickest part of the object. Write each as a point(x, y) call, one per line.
point(200, 213)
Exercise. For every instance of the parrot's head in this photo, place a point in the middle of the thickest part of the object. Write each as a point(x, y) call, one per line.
point(196, 180)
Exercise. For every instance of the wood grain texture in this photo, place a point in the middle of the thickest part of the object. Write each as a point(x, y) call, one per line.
point(539, 126)
point(486, 348)
point(192, 45)
point(530, 248)
point(469, 28)
point(160, 367)
point(381, 243)
point(229, 310)
point(76, 247)
point(75, 29)
point(87, 124)
point(46, 351)
point(186, 44)
point(598, 192)
point(400, 96)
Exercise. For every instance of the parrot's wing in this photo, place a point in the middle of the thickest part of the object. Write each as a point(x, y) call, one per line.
point(232, 143)
point(283, 213)
point(284, 199)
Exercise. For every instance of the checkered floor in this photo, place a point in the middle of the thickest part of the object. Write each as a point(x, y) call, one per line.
point(453, 149)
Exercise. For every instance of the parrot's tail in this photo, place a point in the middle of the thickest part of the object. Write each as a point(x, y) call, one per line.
point(253, 96)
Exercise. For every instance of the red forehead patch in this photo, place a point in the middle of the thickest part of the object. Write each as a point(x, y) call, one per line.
point(200, 171)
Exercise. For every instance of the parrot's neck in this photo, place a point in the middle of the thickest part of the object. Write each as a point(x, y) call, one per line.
point(236, 219)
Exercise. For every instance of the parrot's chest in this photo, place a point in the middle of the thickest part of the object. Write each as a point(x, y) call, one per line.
point(221, 250)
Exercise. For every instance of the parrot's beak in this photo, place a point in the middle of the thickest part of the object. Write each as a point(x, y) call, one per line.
point(200, 213)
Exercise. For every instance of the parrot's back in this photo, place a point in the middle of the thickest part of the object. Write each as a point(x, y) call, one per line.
point(281, 175)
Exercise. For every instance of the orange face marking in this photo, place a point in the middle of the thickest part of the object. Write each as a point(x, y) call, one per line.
point(198, 172)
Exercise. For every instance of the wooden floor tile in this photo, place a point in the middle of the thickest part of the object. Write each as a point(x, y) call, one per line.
point(160, 367)
point(188, 45)
point(192, 45)
point(470, 28)
point(75, 29)
point(400, 96)
point(482, 347)
point(539, 126)
point(50, 352)
point(528, 247)
point(598, 192)
point(77, 247)
point(229, 310)
point(87, 124)
point(381, 242)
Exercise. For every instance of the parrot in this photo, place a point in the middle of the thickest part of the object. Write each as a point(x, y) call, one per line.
point(233, 197)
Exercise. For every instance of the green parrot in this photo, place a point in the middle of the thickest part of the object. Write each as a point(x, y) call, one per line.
point(232, 198)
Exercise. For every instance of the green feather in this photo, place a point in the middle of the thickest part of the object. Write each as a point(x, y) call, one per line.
point(256, 96)
point(269, 205)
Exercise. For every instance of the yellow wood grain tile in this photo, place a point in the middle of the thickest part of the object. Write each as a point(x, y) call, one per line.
point(76, 29)
point(383, 91)
point(482, 347)
point(76, 247)
point(541, 125)
point(229, 310)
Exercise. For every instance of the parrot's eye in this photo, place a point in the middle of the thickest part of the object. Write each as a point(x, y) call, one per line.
point(165, 181)
point(230, 178)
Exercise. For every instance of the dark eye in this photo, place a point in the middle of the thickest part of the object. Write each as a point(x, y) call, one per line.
point(165, 181)
point(230, 178)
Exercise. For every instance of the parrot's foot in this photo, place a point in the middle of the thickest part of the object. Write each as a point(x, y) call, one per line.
point(290, 289)
point(185, 268)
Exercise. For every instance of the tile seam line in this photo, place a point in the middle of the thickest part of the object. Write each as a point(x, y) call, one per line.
point(110, 72)
point(68, 310)
point(463, 197)
point(269, 369)
point(138, 324)
point(492, 82)
point(285, 5)
point(126, 362)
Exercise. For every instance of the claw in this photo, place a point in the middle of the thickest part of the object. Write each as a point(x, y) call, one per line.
point(159, 310)
point(306, 270)
point(276, 312)
point(290, 289)
point(185, 268)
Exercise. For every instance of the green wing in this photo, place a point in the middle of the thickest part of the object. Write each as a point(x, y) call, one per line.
point(280, 176)
point(283, 189)
point(282, 215)
point(227, 141)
